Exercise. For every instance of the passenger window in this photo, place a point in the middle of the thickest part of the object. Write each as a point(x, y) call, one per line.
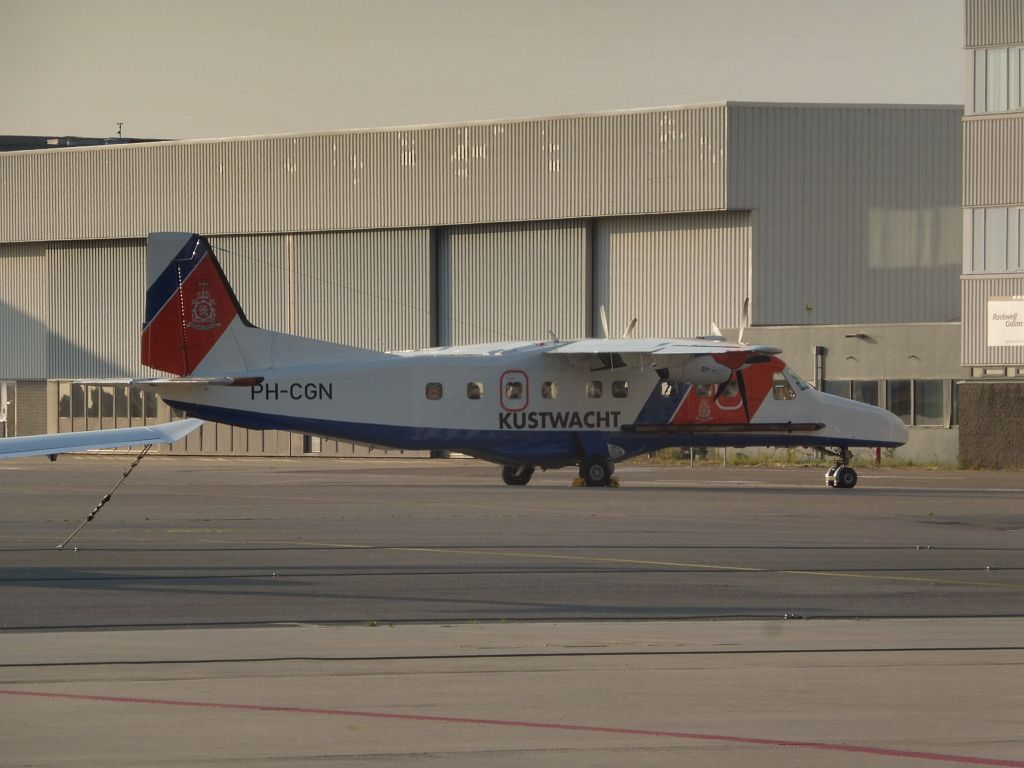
point(514, 390)
point(549, 390)
point(475, 390)
point(594, 389)
point(435, 391)
point(620, 389)
point(781, 388)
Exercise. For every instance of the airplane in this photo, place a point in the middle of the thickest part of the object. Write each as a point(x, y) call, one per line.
point(523, 405)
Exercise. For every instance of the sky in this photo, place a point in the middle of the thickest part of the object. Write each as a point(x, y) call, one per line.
point(215, 68)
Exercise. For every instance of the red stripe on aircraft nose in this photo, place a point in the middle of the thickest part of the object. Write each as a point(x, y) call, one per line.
point(190, 324)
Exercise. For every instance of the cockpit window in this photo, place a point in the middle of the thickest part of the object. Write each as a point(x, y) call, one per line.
point(781, 388)
point(797, 382)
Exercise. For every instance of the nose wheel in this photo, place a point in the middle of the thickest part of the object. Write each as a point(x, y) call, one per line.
point(516, 474)
point(841, 474)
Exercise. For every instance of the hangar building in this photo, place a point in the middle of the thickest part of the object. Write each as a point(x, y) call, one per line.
point(842, 224)
point(992, 351)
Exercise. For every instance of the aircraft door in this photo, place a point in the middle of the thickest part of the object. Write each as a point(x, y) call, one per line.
point(515, 390)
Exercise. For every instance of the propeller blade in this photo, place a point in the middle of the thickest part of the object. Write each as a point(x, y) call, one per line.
point(744, 319)
point(604, 322)
point(628, 334)
point(743, 394)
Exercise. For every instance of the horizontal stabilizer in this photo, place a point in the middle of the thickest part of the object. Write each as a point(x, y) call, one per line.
point(96, 439)
point(200, 381)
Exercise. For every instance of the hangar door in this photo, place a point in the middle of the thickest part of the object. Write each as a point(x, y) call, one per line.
point(676, 273)
point(23, 312)
point(512, 282)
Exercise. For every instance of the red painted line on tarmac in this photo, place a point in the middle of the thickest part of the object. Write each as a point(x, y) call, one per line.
point(934, 757)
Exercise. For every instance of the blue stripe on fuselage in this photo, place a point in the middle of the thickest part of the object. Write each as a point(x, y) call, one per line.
point(660, 408)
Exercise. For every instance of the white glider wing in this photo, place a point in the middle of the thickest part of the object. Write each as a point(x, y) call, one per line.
point(97, 439)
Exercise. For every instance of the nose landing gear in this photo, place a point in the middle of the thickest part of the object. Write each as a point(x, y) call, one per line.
point(841, 474)
point(516, 474)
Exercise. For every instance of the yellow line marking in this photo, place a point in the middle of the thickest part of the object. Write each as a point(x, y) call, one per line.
point(666, 563)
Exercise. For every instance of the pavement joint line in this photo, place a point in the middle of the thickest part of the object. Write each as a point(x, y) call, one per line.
point(906, 754)
point(667, 563)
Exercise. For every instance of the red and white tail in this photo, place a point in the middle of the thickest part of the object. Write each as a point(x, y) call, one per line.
point(195, 325)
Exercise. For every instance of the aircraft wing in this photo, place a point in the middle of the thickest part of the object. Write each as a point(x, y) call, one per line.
point(96, 439)
point(660, 347)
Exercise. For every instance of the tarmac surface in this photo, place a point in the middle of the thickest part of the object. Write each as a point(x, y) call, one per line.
point(413, 612)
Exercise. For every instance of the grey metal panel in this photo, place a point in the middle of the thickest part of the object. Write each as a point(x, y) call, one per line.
point(96, 294)
point(367, 289)
point(994, 160)
point(676, 273)
point(506, 282)
point(646, 161)
point(23, 312)
point(994, 22)
point(857, 211)
point(976, 291)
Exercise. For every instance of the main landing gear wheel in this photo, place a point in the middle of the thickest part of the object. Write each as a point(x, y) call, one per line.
point(518, 474)
point(596, 471)
point(841, 474)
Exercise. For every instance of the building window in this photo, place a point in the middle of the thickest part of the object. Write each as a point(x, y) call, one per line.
point(954, 404)
point(929, 405)
point(838, 388)
point(150, 404)
point(998, 75)
point(594, 389)
point(897, 399)
point(620, 389)
point(434, 390)
point(549, 390)
point(997, 239)
point(475, 390)
point(864, 392)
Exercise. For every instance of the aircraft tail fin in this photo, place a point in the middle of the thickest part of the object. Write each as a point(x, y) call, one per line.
point(195, 325)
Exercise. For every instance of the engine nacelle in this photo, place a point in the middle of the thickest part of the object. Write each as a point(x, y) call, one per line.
point(703, 369)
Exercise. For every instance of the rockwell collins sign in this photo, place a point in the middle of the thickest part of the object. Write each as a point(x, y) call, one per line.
point(1006, 321)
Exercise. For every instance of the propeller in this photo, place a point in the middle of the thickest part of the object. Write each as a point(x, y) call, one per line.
point(627, 334)
point(744, 319)
point(741, 385)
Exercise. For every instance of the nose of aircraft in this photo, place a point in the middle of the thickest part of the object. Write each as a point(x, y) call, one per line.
point(861, 423)
point(897, 429)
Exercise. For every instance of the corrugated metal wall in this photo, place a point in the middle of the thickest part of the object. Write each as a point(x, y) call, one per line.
point(555, 168)
point(994, 22)
point(257, 268)
point(994, 160)
point(368, 289)
point(96, 296)
point(676, 274)
point(23, 312)
point(976, 291)
point(504, 282)
point(858, 214)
